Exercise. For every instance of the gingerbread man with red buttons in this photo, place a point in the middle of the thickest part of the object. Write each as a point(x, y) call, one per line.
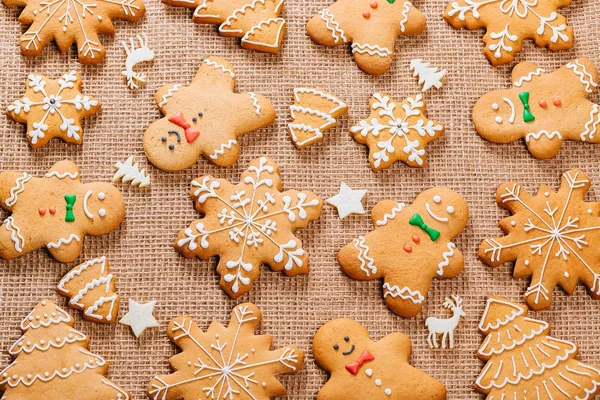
point(409, 247)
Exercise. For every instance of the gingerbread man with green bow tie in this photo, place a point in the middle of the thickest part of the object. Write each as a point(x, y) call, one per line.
point(409, 247)
point(55, 211)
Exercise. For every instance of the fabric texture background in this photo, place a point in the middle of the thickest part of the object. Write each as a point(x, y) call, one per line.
point(141, 253)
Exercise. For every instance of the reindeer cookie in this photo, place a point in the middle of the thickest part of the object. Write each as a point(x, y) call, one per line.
point(445, 326)
point(409, 247)
point(204, 118)
point(372, 27)
point(257, 22)
point(55, 211)
point(543, 108)
point(361, 369)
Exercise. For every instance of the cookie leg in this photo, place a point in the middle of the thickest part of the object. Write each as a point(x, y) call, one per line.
point(12, 240)
point(372, 58)
point(405, 300)
point(222, 154)
point(66, 249)
point(543, 144)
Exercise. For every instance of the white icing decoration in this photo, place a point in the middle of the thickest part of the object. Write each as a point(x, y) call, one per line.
point(328, 120)
point(254, 99)
point(388, 391)
point(371, 49)
point(333, 26)
point(170, 93)
point(437, 199)
point(377, 382)
point(538, 135)
point(260, 26)
point(131, 172)
point(221, 150)
point(405, 11)
point(216, 65)
point(446, 258)
point(134, 57)
point(102, 212)
point(591, 126)
point(63, 175)
point(101, 196)
point(404, 293)
point(498, 119)
point(528, 77)
point(450, 210)
point(239, 12)
point(367, 263)
point(333, 99)
point(445, 326)
point(17, 189)
point(566, 274)
point(61, 241)
point(369, 372)
point(495, 350)
point(516, 312)
point(31, 322)
point(495, 106)
point(122, 395)
point(390, 215)
point(317, 134)
point(15, 234)
point(74, 336)
point(85, 205)
point(431, 213)
point(348, 201)
point(584, 76)
point(428, 76)
point(511, 119)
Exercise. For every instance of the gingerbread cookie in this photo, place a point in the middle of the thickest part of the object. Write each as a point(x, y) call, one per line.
point(361, 369)
point(372, 27)
point(91, 288)
point(409, 247)
point(256, 22)
point(249, 224)
point(53, 108)
point(313, 113)
point(52, 361)
point(543, 108)
point(524, 362)
point(55, 211)
point(508, 23)
point(225, 362)
point(204, 118)
point(551, 237)
point(396, 131)
point(68, 21)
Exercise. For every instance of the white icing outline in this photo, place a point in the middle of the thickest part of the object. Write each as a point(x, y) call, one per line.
point(170, 93)
point(511, 119)
point(30, 322)
point(61, 241)
point(538, 135)
point(17, 189)
point(15, 234)
point(329, 121)
point(440, 219)
point(391, 214)
point(216, 65)
point(594, 124)
point(79, 270)
point(371, 49)
point(584, 76)
point(329, 97)
point(303, 127)
point(407, 6)
point(254, 99)
point(224, 146)
point(528, 77)
point(367, 263)
point(517, 311)
point(63, 175)
point(544, 325)
point(259, 26)
point(395, 291)
point(446, 256)
point(333, 26)
point(76, 336)
point(85, 207)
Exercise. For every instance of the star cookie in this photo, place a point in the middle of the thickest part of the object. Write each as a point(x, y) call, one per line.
point(396, 132)
point(372, 27)
point(53, 108)
point(204, 118)
point(249, 224)
point(550, 236)
point(543, 108)
point(68, 21)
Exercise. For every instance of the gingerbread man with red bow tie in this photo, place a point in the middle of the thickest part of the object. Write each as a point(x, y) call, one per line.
point(361, 369)
point(204, 118)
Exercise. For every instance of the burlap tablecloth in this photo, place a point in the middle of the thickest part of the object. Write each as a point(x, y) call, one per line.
point(141, 252)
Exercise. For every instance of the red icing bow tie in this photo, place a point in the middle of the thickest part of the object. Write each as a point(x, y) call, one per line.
point(365, 357)
point(190, 133)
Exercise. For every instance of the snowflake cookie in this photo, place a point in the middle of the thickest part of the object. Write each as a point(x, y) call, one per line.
point(524, 362)
point(224, 362)
point(551, 237)
point(372, 27)
point(543, 108)
point(509, 22)
point(52, 361)
point(409, 247)
point(256, 22)
point(249, 224)
point(361, 369)
point(55, 211)
point(204, 118)
point(53, 108)
point(396, 131)
point(68, 21)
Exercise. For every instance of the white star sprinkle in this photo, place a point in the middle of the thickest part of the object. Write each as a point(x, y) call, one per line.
point(140, 317)
point(348, 201)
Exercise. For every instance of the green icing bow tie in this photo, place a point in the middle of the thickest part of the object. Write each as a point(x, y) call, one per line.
point(70, 199)
point(527, 115)
point(416, 220)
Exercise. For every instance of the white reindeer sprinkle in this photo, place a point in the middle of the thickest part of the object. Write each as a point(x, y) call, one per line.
point(134, 57)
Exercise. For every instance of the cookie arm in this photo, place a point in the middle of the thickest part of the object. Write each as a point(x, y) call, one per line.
point(254, 111)
point(12, 183)
point(64, 169)
point(164, 94)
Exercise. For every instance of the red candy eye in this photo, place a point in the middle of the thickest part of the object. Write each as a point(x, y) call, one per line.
point(543, 103)
point(42, 211)
point(556, 102)
point(407, 248)
point(374, 4)
point(416, 239)
point(366, 14)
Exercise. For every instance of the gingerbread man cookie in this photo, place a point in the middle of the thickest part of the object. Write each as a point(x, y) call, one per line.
point(68, 21)
point(361, 369)
point(53, 108)
point(543, 108)
point(396, 132)
point(508, 23)
point(551, 237)
point(372, 27)
point(256, 22)
point(409, 247)
point(249, 224)
point(204, 118)
point(55, 211)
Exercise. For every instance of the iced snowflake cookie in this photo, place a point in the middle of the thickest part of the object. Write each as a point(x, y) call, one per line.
point(256, 22)
point(372, 27)
point(508, 23)
point(551, 237)
point(52, 361)
point(543, 108)
point(53, 108)
point(249, 224)
point(524, 362)
point(409, 247)
point(55, 211)
point(225, 362)
point(396, 132)
point(91, 288)
point(68, 21)
point(313, 113)
point(204, 118)
point(361, 369)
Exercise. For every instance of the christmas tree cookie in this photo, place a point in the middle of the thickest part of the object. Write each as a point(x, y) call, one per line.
point(524, 362)
point(52, 361)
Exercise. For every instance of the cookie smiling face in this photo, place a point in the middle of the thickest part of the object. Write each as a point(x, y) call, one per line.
point(102, 206)
point(443, 209)
point(339, 343)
